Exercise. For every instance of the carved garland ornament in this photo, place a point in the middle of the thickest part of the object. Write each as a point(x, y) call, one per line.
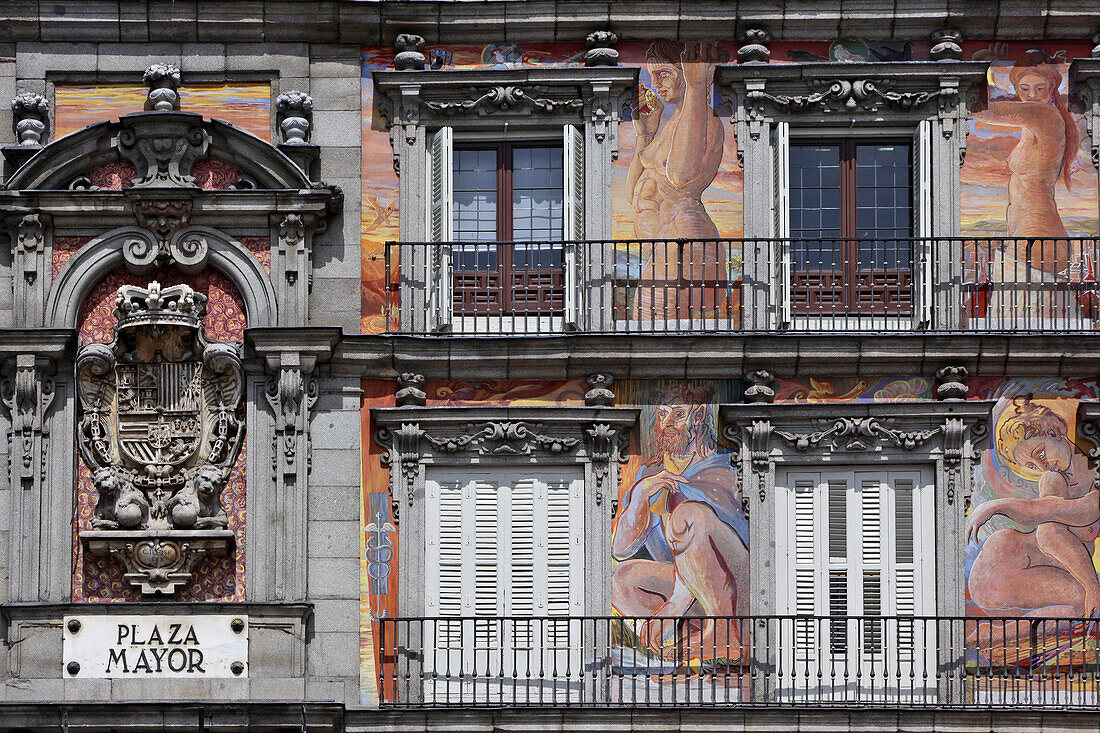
point(159, 429)
point(854, 435)
point(504, 98)
point(847, 95)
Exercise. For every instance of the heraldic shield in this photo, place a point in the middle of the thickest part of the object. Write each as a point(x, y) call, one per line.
point(160, 431)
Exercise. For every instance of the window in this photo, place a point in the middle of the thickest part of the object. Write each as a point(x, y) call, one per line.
point(508, 193)
point(851, 220)
point(505, 546)
point(520, 202)
point(857, 559)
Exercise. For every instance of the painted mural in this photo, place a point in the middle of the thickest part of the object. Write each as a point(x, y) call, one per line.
point(247, 106)
point(680, 539)
point(1028, 173)
point(665, 184)
point(1031, 534)
point(680, 547)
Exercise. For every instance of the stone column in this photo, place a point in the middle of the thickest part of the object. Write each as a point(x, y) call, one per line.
point(754, 153)
point(601, 150)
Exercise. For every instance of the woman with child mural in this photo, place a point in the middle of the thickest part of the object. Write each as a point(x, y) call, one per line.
point(1040, 563)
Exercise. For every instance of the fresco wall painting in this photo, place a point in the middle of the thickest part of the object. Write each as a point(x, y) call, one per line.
point(247, 106)
point(1026, 173)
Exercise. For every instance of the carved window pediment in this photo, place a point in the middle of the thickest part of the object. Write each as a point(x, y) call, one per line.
point(947, 433)
point(413, 437)
point(900, 90)
point(477, 96)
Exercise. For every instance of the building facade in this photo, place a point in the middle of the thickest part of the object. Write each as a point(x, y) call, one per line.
point(385, 366)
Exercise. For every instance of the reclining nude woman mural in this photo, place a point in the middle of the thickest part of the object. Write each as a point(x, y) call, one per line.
point(1039, 563)
point(676, 158)
point(681, 539)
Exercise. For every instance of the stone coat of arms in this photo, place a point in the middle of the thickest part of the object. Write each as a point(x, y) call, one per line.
point(160, 431)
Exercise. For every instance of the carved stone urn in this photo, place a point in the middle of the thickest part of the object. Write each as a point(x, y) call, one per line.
point(159, 429)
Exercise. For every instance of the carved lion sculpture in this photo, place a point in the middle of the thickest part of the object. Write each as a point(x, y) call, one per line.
point(120, 504)
point(198, 504)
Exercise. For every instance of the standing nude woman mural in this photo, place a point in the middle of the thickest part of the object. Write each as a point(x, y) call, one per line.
point(1042, 565)
point(1045, 157)
point(676, 157)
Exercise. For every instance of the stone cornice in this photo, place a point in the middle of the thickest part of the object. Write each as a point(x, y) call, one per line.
point(356, 22)
point(719, 356)
point(551, 416)
point(51, 343)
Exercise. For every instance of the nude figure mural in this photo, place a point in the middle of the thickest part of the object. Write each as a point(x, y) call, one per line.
point(1045, 156)
point(681, 538)
point(677, 155)
point(1039, 563)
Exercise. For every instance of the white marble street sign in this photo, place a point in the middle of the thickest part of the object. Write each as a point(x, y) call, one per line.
point(145, 646)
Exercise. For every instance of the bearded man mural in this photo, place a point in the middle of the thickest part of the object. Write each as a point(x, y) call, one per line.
point(682, 537)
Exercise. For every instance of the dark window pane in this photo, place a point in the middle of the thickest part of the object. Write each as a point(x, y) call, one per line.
point(537, 200)
point(474, 210)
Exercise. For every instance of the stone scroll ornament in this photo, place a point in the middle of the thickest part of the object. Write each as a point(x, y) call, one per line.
point(160, 431)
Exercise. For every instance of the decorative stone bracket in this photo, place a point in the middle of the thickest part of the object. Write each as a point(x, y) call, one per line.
point(291, 357)
point(291, 263)
point(1085, 73)
point(163, 147)
point(414, 436)
point(27, 390)
point(30, 266)
point(1088, 427)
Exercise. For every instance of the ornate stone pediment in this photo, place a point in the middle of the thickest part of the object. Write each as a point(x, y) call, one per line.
point(413, 436)
point(160, 432)
point(558, 95)
point(945, 432)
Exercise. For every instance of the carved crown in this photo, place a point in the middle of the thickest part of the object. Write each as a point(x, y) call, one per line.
point(177, 305)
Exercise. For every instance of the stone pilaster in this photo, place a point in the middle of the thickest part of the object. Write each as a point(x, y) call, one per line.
point(290, 357)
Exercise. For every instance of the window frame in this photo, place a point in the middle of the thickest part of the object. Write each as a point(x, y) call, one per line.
point(852, 284)
point(513, 287)
point(517, 103)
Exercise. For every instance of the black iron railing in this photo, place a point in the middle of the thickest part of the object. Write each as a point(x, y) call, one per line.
point(724, 285)
point(611, 661)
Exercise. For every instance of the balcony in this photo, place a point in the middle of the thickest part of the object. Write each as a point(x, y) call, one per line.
point(763, 661)
point(945, 285)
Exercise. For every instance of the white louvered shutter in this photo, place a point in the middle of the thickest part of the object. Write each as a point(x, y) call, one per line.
point(780, 259)
point(922, 224)
point(573, 229)
point(499, 548)
point(856, 544)
point(440, 225)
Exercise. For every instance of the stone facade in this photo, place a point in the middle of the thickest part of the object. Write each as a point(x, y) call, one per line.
point(227, 275)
